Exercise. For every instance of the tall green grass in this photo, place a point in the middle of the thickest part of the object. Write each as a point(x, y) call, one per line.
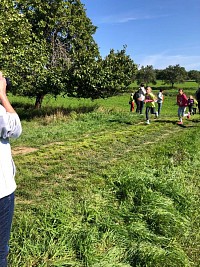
point(102, 189)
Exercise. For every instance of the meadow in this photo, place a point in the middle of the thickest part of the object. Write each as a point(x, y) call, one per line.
point(97, 187)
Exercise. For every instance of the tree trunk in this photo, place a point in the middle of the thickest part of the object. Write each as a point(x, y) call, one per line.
point(38, 101)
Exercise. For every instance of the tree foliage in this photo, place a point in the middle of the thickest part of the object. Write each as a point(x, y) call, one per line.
point(194, 75)
point(41, 40)
point(103, 77)
point(66, 32)
point(47, 47)
point(159, 74)
point(146, 75)
point(16, 47)
point(119, 70)
point(174, 74)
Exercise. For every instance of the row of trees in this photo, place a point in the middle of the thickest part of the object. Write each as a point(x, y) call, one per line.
point(47, 47)
point(170, 75)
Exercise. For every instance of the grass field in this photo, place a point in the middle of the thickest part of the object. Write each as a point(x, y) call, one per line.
point(160, 84)
point(98, 187)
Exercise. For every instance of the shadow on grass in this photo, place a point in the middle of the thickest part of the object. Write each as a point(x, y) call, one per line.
point(196, 120)
point(28, 111)
point(121, 121)
point(166, 121)
point(184, 125)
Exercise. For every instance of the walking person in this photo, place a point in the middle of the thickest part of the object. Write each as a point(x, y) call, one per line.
point(182, 103)
point(191, 102)
point(131, 102)
point(135, 97)
point(150, 104)
point(10, 126)
point(160, 98)
point(141, 98)
point(198, 98)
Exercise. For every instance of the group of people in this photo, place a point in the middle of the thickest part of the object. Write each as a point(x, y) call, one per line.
point(144, 97)
point(183, 102)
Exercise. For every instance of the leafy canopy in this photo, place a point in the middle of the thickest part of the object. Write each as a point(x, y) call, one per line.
point(174, 74)
point(47, 47)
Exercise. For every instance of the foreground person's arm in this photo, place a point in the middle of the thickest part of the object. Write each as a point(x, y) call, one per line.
point(10, 125)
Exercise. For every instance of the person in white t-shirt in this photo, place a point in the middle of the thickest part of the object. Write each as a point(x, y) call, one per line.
point(141, 92)
point(10, 127)
point(160, 98)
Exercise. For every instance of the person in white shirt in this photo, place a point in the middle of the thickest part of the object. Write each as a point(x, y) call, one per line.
point(142, 92)
point(160, 99)
point(10, 127)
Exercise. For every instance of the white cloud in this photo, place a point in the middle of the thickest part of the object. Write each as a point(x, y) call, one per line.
point(124, 18)
point(162, 61)
point(116, 19)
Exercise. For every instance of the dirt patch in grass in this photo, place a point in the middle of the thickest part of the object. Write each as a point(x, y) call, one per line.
point(23, 150)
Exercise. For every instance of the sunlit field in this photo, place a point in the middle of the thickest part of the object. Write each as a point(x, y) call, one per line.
point(97, 187)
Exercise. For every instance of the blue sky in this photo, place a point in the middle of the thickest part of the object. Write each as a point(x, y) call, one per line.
point(156, 32)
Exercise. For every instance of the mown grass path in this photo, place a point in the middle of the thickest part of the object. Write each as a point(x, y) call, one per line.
point(94, 151)
point(106, 190)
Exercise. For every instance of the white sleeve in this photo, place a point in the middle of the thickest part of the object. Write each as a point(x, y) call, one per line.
point(10, 125)
point(159, 96)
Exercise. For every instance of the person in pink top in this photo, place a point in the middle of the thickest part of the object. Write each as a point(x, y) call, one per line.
point(182, 102)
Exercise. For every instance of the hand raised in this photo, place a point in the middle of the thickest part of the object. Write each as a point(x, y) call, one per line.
point(2, 85)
